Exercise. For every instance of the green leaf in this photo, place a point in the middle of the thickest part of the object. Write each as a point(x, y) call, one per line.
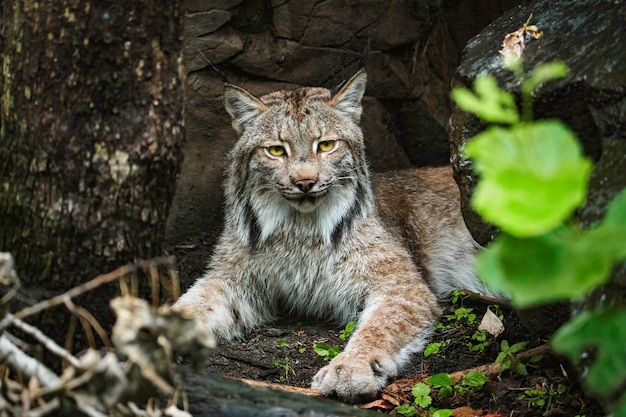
point(424, 401)
point(521, 369)
point(440, 380)
point(431, 349)
point(406, 410)
point(326, 351)
point(605, 331)
point(504, 346)
point(490, 103)
point(544, 73)
point(282, 343)
point(606, 240)
point(420, 390)
point(446, 391)
point(347, 331)
point(561, 264)
point(475, 379)
point(443, 412)
point(533, 176)
point(616, 211)
point(620, 408)
point(518, 347)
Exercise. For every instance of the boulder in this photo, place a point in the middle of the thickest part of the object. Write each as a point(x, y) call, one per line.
point(589, 37)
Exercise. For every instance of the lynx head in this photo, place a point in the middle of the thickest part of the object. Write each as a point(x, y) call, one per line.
point(299, 161)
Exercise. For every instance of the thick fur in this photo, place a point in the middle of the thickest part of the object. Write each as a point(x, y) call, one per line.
point(309, 232)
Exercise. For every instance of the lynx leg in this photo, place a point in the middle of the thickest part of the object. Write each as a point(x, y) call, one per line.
point(391, 328)
point(222, 306)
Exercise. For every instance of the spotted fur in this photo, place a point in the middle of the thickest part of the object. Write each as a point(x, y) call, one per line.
point(309, 232)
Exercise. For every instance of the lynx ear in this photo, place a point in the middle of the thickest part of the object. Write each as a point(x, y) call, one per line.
point(348, 99)
point(242, 106)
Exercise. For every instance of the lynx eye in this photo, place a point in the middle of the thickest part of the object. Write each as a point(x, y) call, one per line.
point(326, 145)
point(275, 150)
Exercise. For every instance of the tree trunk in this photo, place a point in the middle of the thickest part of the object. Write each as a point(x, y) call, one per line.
point(91, 134)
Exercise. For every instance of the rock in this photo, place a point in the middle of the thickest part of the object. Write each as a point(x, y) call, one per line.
point(589, 37)
point(290, 18)
point(204, 6)
point(219, 46)
point(203, 23)
point(284, 60)
point(381, 145)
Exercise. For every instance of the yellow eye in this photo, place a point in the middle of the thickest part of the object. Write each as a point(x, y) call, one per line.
point(276, 150)
point(326, 145)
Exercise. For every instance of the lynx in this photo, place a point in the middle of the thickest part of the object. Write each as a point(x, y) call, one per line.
point(309, 231)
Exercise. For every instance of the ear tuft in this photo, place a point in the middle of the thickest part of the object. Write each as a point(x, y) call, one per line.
point(242, 106)
point(348, 99)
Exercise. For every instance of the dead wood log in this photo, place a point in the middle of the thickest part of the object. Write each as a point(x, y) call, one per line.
point(217, 396)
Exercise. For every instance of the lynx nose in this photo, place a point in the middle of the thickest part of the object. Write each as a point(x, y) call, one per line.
point(305, 185)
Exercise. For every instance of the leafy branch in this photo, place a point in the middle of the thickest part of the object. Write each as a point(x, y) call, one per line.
point(533, 176)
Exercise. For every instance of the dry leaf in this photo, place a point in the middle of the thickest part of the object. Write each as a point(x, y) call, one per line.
point(513, 44)
point(491, 323)
point(379, 404)
point(466, 412)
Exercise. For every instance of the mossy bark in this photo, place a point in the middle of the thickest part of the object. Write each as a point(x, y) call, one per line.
point(91, 133)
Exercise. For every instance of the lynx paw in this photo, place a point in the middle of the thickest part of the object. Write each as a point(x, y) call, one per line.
point(354, 378)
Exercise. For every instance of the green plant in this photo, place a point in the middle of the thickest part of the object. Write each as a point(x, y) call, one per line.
point(286, 365)
point(542, 396)
point(471, 383)
point(326, 351)
point(421, 394)
point(435, 347)
point(282, 343)
point(347, 331)
point(458, 296)
point(444, 383)
point(406, 410)
point(506, 358)
point(480, 337)
point(475, 380)
point(462, 314)
point(533, 175)
point(442, 412)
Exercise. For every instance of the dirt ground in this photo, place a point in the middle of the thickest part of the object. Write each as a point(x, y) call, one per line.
point(284, 353)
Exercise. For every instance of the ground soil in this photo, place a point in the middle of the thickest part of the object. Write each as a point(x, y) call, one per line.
point(283, 353)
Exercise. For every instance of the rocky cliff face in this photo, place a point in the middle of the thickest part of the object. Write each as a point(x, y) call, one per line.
point(267, 45)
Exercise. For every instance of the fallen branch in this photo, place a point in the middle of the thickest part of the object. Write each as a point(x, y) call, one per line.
point(311, 392)
point(399, 391)
point(47, 342)
point(29, 366)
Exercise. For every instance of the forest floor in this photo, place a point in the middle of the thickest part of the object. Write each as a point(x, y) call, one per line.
point(284, 353)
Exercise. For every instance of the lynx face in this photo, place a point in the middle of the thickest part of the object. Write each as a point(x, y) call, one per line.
point(301, 155)
point(301, 161)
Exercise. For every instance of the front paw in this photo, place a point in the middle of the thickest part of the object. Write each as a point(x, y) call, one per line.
point(354, 378)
